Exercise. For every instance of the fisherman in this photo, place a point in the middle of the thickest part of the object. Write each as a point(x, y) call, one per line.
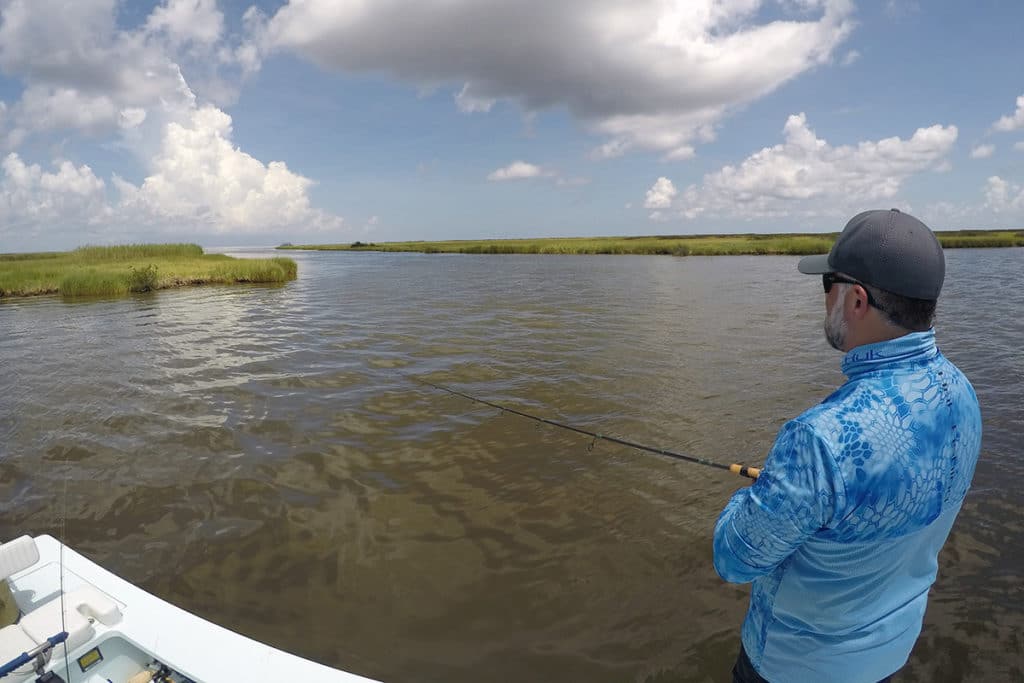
point(840, 533)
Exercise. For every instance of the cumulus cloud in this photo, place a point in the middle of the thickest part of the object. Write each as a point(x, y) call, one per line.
point(519, 170)
point(1014, 121)
point(249, 52)
point(82, 72)
point(132, 117)
point(44, 108)
point(184, 21)
point(69, 179)
point(982, 151)
point(1004, 197)
point(654, 74)
point(661, 194)
point(30, 197)
point(200, 183)
point(807, 175)
point(200, 178)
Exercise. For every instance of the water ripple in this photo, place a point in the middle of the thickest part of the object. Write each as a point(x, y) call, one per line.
point(226, 444)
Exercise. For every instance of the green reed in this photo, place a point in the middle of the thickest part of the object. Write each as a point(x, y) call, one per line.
point(118, 270)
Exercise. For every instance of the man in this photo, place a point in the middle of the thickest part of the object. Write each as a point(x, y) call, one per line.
point(841, 532)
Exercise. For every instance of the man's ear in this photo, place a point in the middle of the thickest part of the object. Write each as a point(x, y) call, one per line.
point(859, 302)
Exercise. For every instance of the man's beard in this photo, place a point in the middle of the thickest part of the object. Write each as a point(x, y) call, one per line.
point(835, 325)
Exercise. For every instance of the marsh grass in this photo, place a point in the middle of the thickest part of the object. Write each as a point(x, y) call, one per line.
point(88, 282)
point(135, 252)
point(796, 244)
point(112, 271)
point(142, 279)
point(253, 270)
point(29, 256)
point(670, 245)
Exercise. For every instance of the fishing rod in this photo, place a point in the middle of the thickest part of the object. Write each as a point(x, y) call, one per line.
point(742, 470)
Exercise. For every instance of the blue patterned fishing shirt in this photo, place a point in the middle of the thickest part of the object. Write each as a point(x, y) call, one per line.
point(841, 532)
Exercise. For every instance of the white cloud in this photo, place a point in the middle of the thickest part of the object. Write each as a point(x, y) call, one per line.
point(850, 57)
point(1004, 197)
point(668, 132)
point(79, 70)
point(183, 21)
point(468, 103)
point(806, 175)
point(6, 140)
point(1000, 205)
point(519, 170)
point(1012, 122)
point(654, 74)
point(982, 151)
point(82, 72)
point(245, 54)
point(31, 197)
point(49, 38)
point(201, 178)
point(45, 108)
point(19, 176)
point(132, 117)
point(201, 183)
point(661, 194)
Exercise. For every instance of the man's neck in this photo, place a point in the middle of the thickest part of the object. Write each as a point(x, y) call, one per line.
point(873, 332)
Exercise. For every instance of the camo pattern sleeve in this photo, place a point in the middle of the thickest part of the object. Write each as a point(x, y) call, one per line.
point(798, 493)
point(841, 533)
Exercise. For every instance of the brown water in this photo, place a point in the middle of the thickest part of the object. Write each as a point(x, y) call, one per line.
point(259, 456)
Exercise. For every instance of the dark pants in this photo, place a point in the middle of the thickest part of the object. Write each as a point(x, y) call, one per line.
point(743, 671)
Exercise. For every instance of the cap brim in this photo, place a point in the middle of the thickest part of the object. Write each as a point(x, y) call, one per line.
point(814, 265)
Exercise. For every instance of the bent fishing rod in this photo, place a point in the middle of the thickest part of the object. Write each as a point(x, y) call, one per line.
point(742, 470)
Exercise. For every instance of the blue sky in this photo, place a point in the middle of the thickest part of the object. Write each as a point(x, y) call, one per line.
point(233, 122)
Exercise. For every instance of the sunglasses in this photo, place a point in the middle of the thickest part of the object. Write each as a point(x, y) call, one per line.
point(829, 279)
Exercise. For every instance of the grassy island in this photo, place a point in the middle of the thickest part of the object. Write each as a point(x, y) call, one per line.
point(672, 245)
point(105, 271)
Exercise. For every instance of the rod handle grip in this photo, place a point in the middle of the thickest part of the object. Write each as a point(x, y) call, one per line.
point(744, 471)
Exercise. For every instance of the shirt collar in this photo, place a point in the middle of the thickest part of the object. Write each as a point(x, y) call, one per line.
point(913, 346)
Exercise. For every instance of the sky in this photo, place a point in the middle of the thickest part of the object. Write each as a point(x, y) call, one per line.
point(234, 122)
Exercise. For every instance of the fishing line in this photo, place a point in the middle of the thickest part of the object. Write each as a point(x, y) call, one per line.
point(741, 470)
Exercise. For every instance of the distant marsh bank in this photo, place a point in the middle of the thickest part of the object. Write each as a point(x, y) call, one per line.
point(117, 270)
point(797, 244)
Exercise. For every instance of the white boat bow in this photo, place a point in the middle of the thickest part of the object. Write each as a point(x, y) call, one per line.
point(119, 633)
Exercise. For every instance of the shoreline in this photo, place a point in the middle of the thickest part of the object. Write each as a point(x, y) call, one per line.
point(120, 270)
point(777, 244)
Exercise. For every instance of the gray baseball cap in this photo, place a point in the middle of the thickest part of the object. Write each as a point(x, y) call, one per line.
point(890, 250)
